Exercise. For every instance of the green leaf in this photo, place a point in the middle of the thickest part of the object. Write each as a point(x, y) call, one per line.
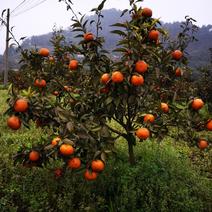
point(91, 22)
point(180, 106)
point(96, 129)
point(48, 147)
point(119, 32)
point(131, 2)
point(70, 1)
point(77, 30)
point(100, 7)
point(103, 157)
point(120, 50)
point(97, 153)
point(81, 19)
point(94, 9)
point(107, 151)
point(123, 12)
point(68, 141)
point(76, 24)
point(204, 112)
point(108, 100)
point(70, 126)
point(117, 101)
point(22, 38)
point(119, 25)
point(84, 24)
point(122, 42)
point(2, 14)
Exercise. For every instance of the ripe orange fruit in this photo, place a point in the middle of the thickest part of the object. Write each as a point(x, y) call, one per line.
point(141, 66)
point(14, 122)
point(177, 55)
point(55, 141)
point(88, 36)
point(178, 72)
point(66, 149)
point(73, 64)
point(40, 83)
point(21, 105)
point(88, 175)
point(44, 52)
point(43, 83)
point(209, 125)
point(56, 93)
point(117, 77)
point(202, 144)
point(164, 107)
point(197, 104)
point(149, 118)
point(34, 155)
point(51, 59)
point(146, 12)
point(74, 163)
point(97, 165)
point(66, 88)
point(142, 133)
point(105, 78)
point(154, 35)
point(137, 80)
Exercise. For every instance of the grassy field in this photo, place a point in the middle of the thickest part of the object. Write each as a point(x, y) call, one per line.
point(167, 177)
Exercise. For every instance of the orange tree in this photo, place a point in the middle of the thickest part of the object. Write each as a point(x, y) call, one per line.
point(143, 95)
point(148, 89)
point(74, 116)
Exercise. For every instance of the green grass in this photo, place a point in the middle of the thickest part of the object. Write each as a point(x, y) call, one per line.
point(3, 97)
point(169, 176)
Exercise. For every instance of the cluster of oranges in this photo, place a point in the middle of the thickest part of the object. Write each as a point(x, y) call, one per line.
point(21, 105)
point(143, 133)
point(136, 80)
point(118, 77)
point(73, 63)
point(196, 104)
point(177, 55)
point(40, 83)
point(140, 66)
point(96, 167)
point(72, 162)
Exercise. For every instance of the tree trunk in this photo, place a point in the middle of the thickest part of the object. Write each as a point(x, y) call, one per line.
point(131, 143)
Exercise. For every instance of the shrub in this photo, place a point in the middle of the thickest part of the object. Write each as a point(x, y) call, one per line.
point(162, 180)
